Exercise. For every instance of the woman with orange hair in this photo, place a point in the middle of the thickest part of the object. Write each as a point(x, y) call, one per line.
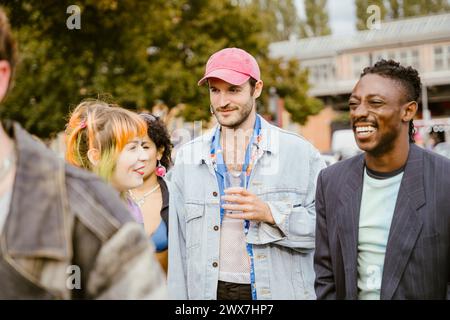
point(108, 140)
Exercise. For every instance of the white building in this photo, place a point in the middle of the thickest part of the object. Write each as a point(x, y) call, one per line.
point(335, 63)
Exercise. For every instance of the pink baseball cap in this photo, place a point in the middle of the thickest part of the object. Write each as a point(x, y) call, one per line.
point(232, 65)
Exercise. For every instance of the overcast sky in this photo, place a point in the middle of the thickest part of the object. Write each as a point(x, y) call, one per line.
point(341, 15)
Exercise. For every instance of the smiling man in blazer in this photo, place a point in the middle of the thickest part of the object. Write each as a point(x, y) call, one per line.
point(382, 228)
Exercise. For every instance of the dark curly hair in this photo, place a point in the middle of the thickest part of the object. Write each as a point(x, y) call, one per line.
point(157, 132)
point(408, 77)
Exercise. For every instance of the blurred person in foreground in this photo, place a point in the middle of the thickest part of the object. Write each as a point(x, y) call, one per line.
point(64, 233)
point(256, 240)
point(383, 217)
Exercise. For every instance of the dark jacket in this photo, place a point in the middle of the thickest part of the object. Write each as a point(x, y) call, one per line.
point(64, 223)
point(417, 261)
point(165, 202)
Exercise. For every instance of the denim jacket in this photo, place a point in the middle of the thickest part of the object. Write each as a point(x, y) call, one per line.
point(284, 176)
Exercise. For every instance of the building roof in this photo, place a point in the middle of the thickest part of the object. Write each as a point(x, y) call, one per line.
point(399, 32)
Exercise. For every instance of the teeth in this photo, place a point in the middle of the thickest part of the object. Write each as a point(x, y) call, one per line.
point(365, 129)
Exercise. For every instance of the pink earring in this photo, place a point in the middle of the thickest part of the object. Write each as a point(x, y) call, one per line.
point(160, 170)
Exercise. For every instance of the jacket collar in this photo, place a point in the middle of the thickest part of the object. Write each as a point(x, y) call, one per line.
point(37, 224)
point(165, 201)
point(348, 222)
point(270, 135)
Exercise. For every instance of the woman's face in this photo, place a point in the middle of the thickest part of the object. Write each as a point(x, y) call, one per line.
point(130, 165)
point(153, 155)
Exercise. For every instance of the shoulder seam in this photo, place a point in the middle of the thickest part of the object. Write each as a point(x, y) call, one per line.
point(91, 213)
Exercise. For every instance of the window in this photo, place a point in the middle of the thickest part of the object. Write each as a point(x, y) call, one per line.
point(415, 62)
point(407, 57)
point(448, 57)
point(360, 61)
point(404, 57)
point(438, 58)
point(325, 72)
point(322, 72)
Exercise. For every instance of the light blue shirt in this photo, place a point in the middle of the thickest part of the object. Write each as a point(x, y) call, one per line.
point(378, 201)
point(284, 176)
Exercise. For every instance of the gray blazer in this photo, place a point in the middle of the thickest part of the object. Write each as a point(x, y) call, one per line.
point(417, 261)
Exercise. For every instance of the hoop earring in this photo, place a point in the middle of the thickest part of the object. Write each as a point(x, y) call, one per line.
point(160, 170)
point(211, 109)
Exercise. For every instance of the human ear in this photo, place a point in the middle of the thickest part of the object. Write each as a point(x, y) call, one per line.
point(93, 156)
point(258, 89)
point(409, 111)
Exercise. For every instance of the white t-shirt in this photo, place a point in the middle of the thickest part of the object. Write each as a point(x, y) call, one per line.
point(377, 209)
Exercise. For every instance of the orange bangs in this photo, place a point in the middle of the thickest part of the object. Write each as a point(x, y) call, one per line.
point(106, 128)
point(125, 126)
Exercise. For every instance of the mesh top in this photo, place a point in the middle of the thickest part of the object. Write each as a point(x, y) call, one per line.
point(234, 261)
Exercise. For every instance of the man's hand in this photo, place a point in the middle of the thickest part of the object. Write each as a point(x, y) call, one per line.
point(251, 206)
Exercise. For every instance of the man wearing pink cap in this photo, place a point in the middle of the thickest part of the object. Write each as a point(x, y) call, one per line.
point(254, 238)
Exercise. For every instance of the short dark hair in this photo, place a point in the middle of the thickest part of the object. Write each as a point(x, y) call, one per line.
point(157, 132)
point(407, 77)
point(8, 49)
point(252, 82)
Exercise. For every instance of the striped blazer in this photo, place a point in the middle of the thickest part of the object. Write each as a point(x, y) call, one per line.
point(417, 260)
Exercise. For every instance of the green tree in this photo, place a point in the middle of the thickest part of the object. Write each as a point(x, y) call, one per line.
point(59, 67)
point(316, 23)
point(136, 53)
point(395, 9)
point(280, 18)
point(291, 84)
point(361, 12)
point(424, 7)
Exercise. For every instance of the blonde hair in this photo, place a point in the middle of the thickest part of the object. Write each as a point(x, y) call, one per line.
point(95, 124)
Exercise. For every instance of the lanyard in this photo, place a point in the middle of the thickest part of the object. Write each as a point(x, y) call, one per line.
point(220, 168)
point(250, 154)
